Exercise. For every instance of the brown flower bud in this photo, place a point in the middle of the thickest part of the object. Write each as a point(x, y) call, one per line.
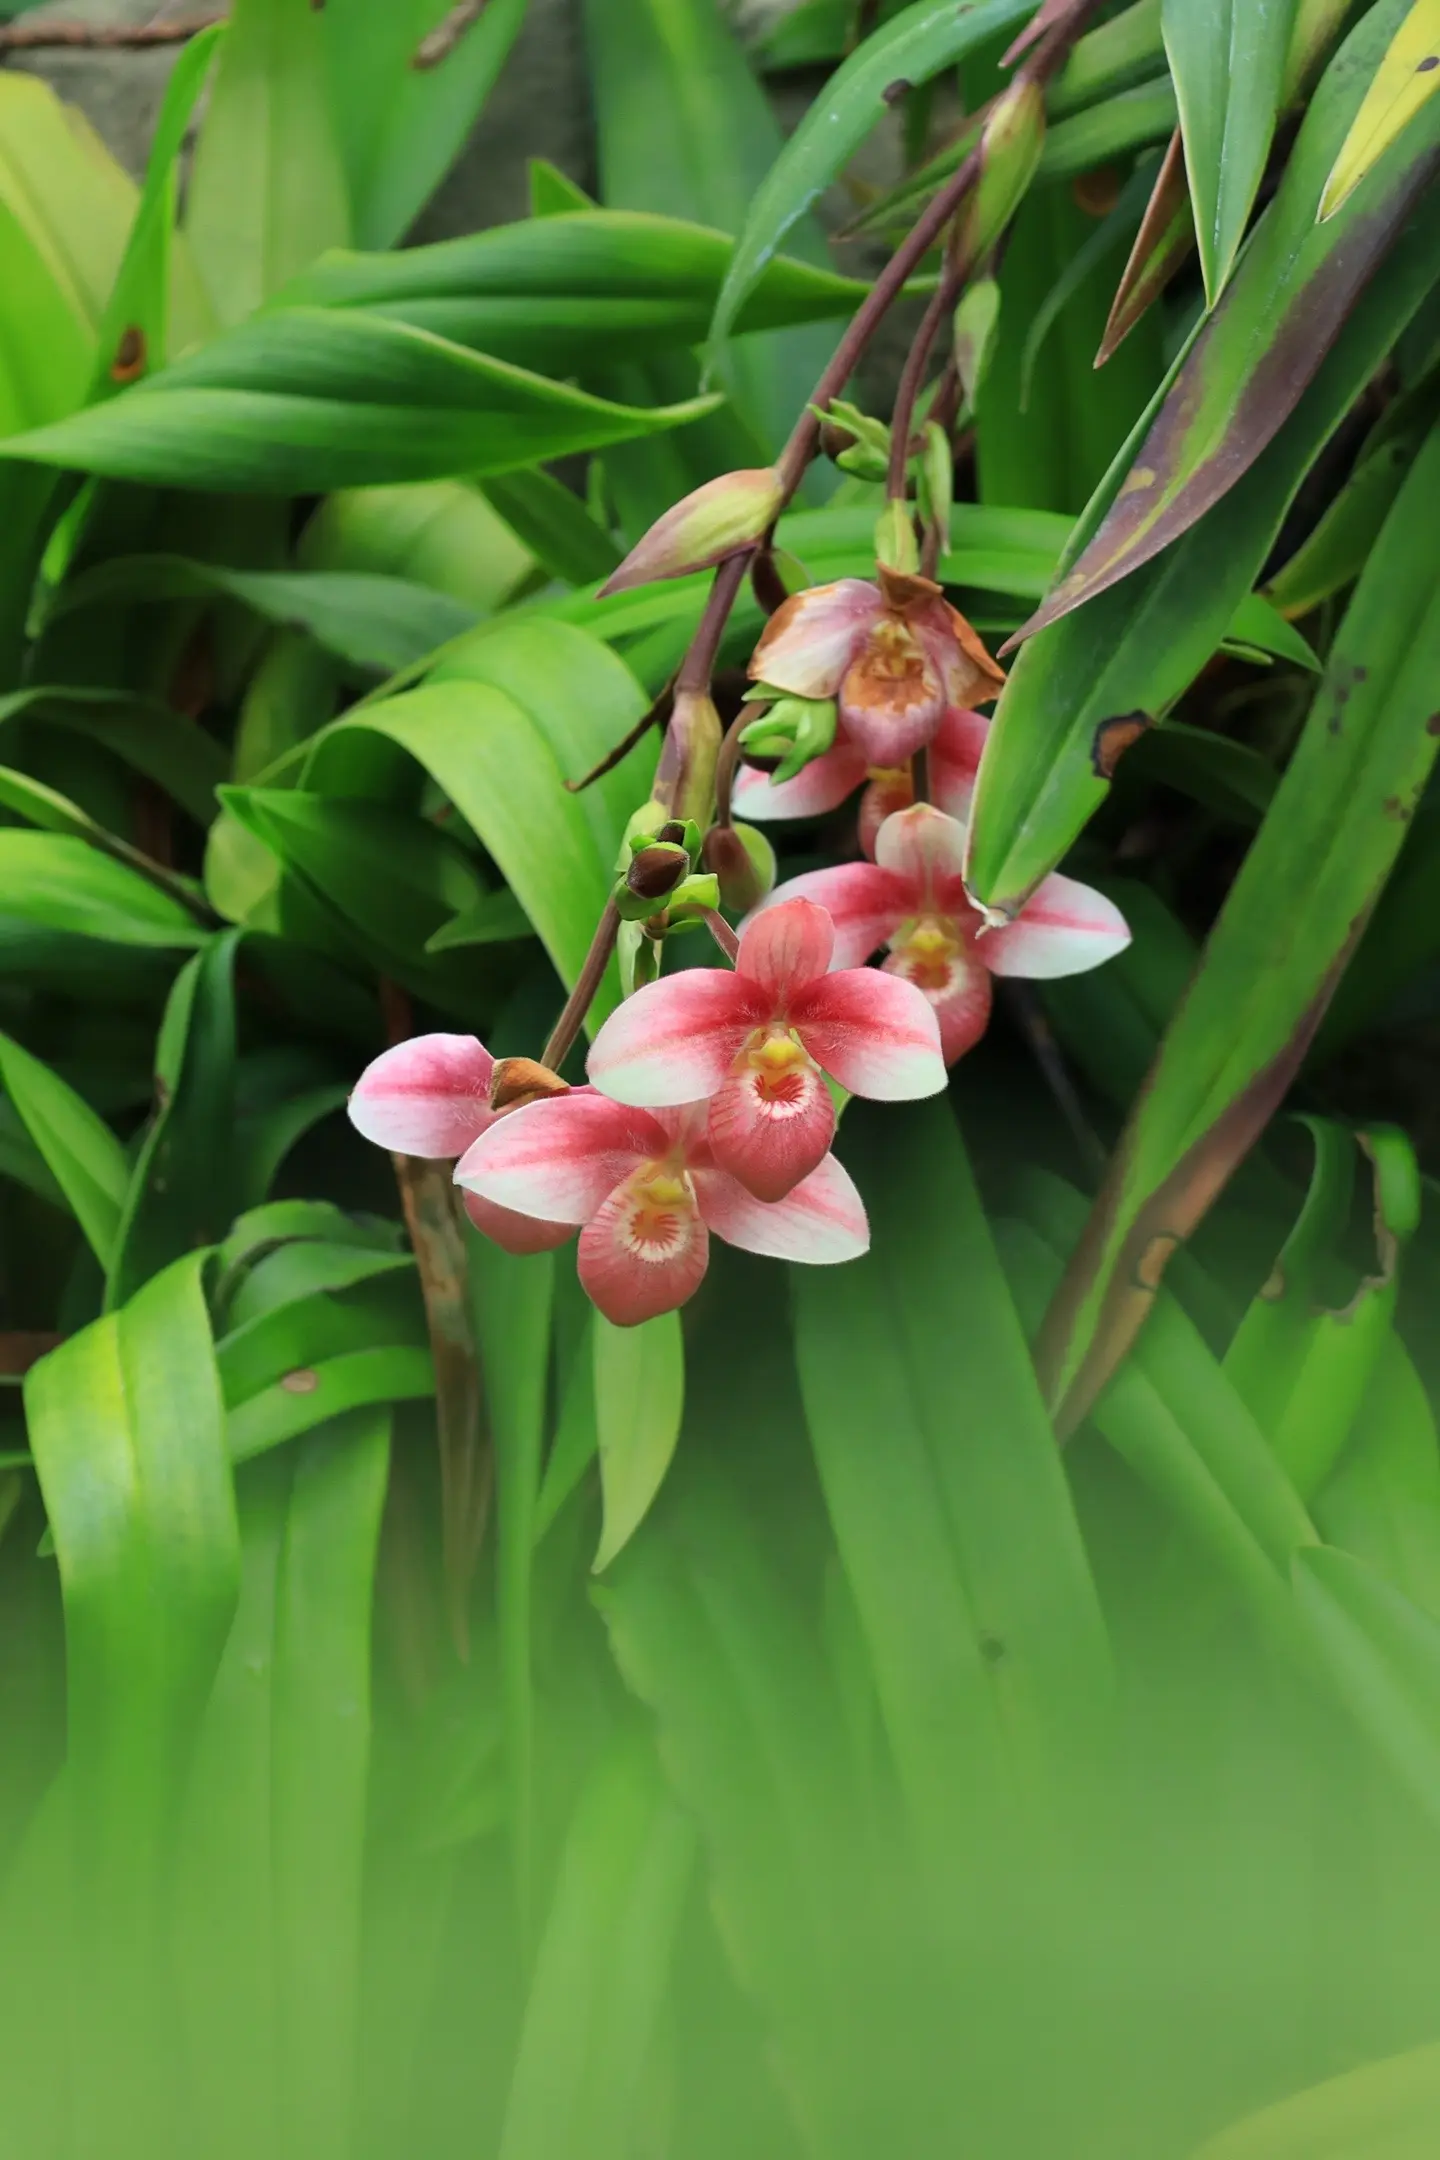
point(517, 1080)
point(656, 871)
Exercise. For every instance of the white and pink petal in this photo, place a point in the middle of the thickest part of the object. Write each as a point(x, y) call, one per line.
point(811, 640)
point(645, 1251)
point(822, 785)
point(675, 1040)
point(784, 946)
point(560, 1158)
point(512, 1232)
point(821, 1223)
point(876, 1034)
point(1064, 928)
point(429, 1096)
point(866, 906)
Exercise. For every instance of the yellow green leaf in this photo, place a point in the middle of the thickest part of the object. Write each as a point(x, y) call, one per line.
point(1406, 77)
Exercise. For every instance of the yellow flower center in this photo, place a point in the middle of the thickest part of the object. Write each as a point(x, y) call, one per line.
point(779, 1066)
point(929, 952)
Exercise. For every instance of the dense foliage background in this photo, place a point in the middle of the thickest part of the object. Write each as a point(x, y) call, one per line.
point(434, 1720)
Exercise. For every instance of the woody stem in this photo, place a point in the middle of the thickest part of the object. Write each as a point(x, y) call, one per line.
point(727, 761)
point(912, 376)
point(723, 935)
point(581, 998)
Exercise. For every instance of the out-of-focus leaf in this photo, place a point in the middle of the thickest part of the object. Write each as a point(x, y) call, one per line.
point(1282, 311)
point(135, 334)
point(181, 1191)
point(555, 525)
point(1383, 2108)
point(376, 1298)
point(912, 47)
point(683, 127)
point(1404, 80)
point(503, 722)
point(86, 1160)
point(920, 1340)
point(54, 812)
point(301, 400)
point(352, 1382)
point(1385, 1655)
point(1301, 1361)
point(375, 622)
point(512, 1306)
point(493, 920)
point(619, 1894)
point(443, 534)
point(1077, 690)
point(267, 192)
point(610, 284)
point(405, 100)
point(1260, 624)
point(1283, 937)
point(127, 1428)
point(1382, 1502)
point(1228, 65)
point(57, 882)
point(639, 1377)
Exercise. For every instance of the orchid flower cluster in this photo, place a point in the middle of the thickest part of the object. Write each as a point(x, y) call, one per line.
point(711, 1099)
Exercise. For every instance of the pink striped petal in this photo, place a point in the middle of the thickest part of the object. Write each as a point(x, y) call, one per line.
point(955, 760)
point(560, 1158)
point(957, 989)
point(646, 1249)
point(810, 641)
point(782, 948)
point(511, 1232)
point(821, 785)
point(676, 1040)
point(927, 850)
point(1063, 929)
point(866, 906)
point(821, 1222)
point(773, 1120)
point(429, 1096)
point(877, 1036)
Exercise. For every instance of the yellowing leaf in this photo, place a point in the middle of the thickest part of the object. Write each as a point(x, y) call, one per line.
point(1405, 78)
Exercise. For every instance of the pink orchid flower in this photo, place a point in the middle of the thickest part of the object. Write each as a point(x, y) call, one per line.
point(430, 1096)
point(753, 1044)
point(913, 899)
point(894, 655)
point(646, 1187)
point(827, 780)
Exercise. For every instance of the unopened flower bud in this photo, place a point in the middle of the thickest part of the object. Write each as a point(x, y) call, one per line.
point(1010, 147)
point(976, 320)
point(518, 1080)
point(744, 864)
point(653, 873)
point(685, 776)
point(852, 438)
point(792, 732)
point(896, 547)
point(713, 522)
point(700, 890)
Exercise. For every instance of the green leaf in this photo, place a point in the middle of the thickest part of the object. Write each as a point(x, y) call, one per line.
point(990, 1663)
point(639, 1379)
point(267, 193)
point(1246, 370)
point(1383, 2108)
point(54, 881)
point(1228, 64)
point(403, 110)
point(611, 284)
point(555, 526)
point(504, 721)
point(181, 1192)
point(302, 400)
point(1130, 652)
point(1384, 1653)
point(1403, 82)
point(493, 920)
point(375, 622)
point(355, 1381)
point(1288, 926)
point(914, 45)
point(86, 1160)
point(443, 534)
point(1382, 1503)
point(135, 335)
point(625, 1870)
point(127, 1429)
point(375, 1300)
point(54, 812)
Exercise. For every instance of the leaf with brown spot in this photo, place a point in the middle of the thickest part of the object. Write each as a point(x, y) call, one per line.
point(1294, 288)
point(1275, 956)
point(1165, 238)
point(1113, 738)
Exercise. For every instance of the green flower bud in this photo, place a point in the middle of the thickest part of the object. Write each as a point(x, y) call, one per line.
point(744, 863)
point(896, 547)
point(715, 521)
point(700, 890)
point(1010, 145)
point(793, 731)
point(976, 320)
point(639, 958)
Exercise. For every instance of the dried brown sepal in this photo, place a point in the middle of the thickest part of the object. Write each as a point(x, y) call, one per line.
point(519, 1080)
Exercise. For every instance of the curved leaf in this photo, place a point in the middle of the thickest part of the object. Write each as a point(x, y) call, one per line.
point(910, 48)
point(56, 882)
point(1227, 60)
point(1408, 75)
point(84, 1156)
point(639, 1399)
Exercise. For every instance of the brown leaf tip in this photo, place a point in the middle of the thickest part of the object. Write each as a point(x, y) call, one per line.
point(130, 355)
